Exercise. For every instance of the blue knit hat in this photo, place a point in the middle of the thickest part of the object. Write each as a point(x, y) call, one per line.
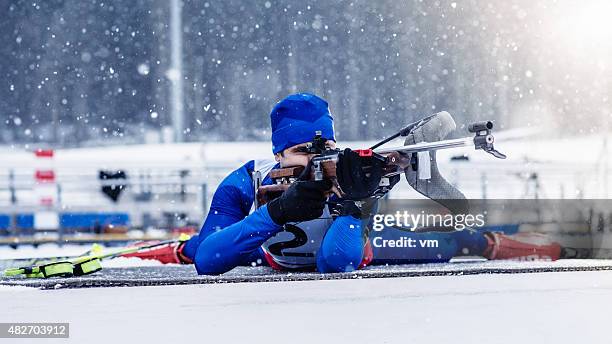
point(296, 118)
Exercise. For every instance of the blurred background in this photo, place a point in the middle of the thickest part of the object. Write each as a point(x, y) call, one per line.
point(81, 73)
point(121, 118)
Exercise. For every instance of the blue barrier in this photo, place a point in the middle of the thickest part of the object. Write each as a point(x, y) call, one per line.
point(25, 221)
point(71, 220)
point(22, 221)
point(5, 221)
point(88, 220)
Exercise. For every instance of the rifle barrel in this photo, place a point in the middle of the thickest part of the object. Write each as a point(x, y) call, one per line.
point(429, 146)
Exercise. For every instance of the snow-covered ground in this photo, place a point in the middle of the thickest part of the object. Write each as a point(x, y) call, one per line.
point(568, 307)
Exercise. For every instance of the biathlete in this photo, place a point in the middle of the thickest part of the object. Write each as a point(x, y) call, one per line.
point(296, 230)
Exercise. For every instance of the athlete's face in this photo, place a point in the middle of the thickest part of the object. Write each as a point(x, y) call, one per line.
point(294, 156)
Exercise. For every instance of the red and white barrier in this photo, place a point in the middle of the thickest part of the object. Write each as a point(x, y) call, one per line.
point(45, 190)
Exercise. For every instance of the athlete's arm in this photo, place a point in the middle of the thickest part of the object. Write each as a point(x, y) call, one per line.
point(220, 250)
point(228, 213)
point(224, 249)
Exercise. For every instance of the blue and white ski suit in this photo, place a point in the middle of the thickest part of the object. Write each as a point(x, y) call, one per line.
point(233, 236)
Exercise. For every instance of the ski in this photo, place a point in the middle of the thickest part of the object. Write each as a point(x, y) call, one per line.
point(80, 265)
point(15, 262)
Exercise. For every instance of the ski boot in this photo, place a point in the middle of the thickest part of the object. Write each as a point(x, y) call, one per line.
point(522, 246)
point(170, 253)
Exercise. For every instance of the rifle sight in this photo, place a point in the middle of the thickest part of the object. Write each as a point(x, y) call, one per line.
point(480, 126)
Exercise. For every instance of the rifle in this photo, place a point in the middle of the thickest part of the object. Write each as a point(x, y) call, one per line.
point(396, 159)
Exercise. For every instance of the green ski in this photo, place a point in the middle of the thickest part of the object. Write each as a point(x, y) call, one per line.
point(80, 265)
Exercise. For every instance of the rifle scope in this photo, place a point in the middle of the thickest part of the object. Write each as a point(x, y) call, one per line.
point(480, 126)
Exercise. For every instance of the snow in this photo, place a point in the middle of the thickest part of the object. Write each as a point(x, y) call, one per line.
point(568, 307)
point(503, 308)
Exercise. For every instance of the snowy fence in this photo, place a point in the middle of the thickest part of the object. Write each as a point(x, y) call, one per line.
point(149, 198)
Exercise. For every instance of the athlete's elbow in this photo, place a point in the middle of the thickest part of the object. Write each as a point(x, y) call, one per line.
point(210, 270)
point(205, 266)
point(340, 261)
